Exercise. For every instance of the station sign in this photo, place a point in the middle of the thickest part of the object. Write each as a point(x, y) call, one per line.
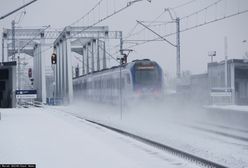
point(26, 94)
point(221, 94)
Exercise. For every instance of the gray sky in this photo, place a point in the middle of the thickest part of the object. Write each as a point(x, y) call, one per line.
point(195, 43)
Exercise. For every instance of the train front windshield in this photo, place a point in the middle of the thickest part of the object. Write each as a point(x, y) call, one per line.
point(147, 76)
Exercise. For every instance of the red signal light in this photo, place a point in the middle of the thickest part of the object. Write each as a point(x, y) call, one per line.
point(30, 72)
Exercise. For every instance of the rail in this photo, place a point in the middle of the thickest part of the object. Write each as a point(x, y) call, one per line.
point(177, 152)
point(198, 160)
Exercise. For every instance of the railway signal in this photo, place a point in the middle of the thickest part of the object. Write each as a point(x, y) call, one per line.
point(30, 72)
point(54, 58)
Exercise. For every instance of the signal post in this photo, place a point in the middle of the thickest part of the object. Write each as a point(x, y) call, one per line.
point(54, 62)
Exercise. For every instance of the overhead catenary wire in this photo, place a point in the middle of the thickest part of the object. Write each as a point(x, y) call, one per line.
point(157, 34)
point(88, 27)
point(23, 6)
point(181, 18)
point(129, 3)
point(130, 34)
point(138, 42)
point(35, 37)
point(22, 14)
point(135, 33)
point(85, 15)
point(187, 29)
point(201, 10)
point(111, 56)
point(184, 4)
point(105, 18)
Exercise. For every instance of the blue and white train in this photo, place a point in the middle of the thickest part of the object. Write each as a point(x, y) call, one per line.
point(135, 80)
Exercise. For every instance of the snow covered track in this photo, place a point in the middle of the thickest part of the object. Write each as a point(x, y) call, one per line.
point(171, 127)
point(179, 153)
point(49, 139)
point(221, 133)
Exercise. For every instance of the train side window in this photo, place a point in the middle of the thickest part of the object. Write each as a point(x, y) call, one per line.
point(86, 85)
point(95, 84)
point(122, 83)
point(90, 84)
point(118, 83)
point(109, 83)
point(128, 78)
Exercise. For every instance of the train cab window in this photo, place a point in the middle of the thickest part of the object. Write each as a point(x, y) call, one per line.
point(146, 75)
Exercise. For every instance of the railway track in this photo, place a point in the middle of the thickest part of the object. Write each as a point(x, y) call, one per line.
point(224, 127)
point(220, 133)
point(176, 152)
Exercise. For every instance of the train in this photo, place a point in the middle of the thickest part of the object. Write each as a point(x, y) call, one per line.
point(136, 80)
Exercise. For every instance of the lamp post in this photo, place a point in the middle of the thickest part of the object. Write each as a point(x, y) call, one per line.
point(245, 56)
point(212, 54)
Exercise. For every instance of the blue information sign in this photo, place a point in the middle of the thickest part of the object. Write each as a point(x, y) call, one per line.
point(26, 94)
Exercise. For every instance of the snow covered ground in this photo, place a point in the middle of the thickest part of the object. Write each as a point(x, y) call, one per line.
point(52, 139)
point(190, 131)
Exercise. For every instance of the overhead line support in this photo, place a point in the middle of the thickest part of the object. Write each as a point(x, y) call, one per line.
point(178, 48)
point(177, 21)
point(156, 33)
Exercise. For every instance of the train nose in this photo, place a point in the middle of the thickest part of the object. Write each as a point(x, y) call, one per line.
point(156, 93)
point(144, 92)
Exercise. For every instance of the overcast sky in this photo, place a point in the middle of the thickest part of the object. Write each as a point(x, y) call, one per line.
point(195, 43)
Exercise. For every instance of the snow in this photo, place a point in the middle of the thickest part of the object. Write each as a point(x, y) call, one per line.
point(191, 131)
point(52, 137)
point(49, 138)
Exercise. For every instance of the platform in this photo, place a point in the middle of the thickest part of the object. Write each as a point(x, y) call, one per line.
point(49, 139)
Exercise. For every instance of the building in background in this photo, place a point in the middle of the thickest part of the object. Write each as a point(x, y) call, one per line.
point(235, 89)
point(222, 84)
point(7, 84)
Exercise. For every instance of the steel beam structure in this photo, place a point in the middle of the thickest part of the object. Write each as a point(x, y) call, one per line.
point(32, 43)
point(87, 59)
point(83, 60)
point(43, 72)
point(98, 55)
point(86, 42)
